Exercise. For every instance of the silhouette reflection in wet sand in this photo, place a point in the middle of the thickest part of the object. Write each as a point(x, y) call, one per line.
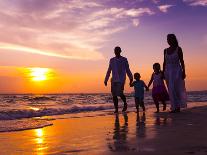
point(120, 141)
point(138, 134)
point(140, 126)
point(161, 120)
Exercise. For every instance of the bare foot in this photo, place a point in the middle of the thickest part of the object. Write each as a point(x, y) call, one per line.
point(164, 107)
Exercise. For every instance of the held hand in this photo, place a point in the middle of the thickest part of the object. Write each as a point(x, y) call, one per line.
point(147, 89)
point(130, 83)
point(183, 75)
point(105, 83)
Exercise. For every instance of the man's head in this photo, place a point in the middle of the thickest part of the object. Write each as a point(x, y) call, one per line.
point(117, 51)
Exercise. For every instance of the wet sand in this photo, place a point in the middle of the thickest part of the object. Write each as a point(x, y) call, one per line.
point(129, 133)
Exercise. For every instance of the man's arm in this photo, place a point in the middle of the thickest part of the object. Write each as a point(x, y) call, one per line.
point(128, 71)
point(107, 74)
point(132, 84)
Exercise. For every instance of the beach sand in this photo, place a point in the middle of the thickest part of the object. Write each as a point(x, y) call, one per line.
point(129, 133)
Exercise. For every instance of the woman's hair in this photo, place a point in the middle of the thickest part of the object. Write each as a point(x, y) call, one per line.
point(172, 39)
point(157, 66)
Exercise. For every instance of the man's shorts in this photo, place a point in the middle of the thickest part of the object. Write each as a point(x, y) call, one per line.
point(117, 88)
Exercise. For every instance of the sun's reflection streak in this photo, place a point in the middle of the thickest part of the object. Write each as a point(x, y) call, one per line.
point(40, 141)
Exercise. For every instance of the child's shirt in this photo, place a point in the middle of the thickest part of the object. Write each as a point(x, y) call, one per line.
point(139, 89)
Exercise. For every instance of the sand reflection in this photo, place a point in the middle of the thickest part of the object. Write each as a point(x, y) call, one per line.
point(120, 135)
point(141, 126)
point(40, 141)
point(161, 120)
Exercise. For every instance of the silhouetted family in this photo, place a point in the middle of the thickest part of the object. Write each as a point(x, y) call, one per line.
point(173, 73)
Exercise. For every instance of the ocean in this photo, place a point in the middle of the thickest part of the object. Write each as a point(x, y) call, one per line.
point(28, 111)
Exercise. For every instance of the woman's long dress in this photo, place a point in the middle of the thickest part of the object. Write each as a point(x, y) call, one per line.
point(174, 80)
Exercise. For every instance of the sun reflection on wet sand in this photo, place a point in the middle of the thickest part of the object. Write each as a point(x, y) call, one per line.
point(34, 108)
point(40, 141)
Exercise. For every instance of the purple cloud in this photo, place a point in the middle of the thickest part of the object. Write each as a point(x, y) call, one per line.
point(73, 29)
point(196, 2)
point(164, 8)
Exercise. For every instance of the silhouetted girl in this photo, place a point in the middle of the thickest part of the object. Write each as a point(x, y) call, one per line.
point(174, 72)
point(159, 92)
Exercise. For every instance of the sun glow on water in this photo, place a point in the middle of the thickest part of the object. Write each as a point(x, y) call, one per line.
point(34, 108)
point(40, 141)
point(39, 133)
point(39, 136)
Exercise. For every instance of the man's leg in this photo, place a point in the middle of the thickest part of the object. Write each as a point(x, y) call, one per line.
point(114, 94)
point(115, 100)
point(123, 97)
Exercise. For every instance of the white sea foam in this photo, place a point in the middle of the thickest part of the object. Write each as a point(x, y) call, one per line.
point(22, 124)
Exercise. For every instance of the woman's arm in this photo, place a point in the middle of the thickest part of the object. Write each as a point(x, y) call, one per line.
point(164, 62)
point(180, 54)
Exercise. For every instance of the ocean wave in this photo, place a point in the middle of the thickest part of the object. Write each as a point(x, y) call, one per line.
point(41, 98)
point(19, 106)
point(23, 124)
point(29, 113)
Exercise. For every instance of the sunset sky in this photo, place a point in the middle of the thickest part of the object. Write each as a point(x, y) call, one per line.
point(64, 46)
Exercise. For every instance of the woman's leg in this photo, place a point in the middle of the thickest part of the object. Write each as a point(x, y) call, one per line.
point(169, 82)
point(115, 100)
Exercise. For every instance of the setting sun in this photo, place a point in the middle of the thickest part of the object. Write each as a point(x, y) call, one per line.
point(39, 74)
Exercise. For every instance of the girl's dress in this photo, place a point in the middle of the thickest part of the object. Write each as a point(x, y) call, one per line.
point(159, 92)
point(174, 80)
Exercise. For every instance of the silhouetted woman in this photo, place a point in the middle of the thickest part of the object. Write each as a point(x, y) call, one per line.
point(174, 72)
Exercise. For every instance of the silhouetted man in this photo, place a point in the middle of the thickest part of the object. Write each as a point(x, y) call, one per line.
point(119, 67)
